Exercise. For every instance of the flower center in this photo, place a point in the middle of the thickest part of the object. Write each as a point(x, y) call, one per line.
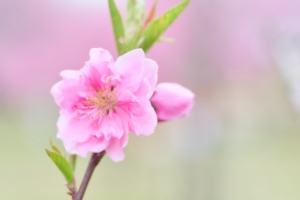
point(105, 99)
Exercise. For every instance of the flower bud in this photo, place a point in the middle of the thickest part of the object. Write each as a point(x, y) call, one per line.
point(172, 101)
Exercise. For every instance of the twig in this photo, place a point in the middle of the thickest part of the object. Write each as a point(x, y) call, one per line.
point(95, 159)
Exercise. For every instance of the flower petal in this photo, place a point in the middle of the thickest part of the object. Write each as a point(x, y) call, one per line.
point(57, 92)
point(145, 125)
point(97, 67)
point(93, 144)
point(112, 126)
point(131, 68)
point(73, 129)
point(139, 108)
point(115, 150)
point(100, 59)
point(122, 112)
point(144, 90)
point(150, 74)
point(66, 95)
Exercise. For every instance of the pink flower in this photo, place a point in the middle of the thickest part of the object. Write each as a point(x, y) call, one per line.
point(104, 101)
point(172, 101)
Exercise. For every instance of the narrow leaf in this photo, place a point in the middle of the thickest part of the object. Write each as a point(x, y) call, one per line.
point(160, 25)
point(118, 26)
point(54, 148)
point(135, 12)
point(62, 165)
point(72, 161)
point(129, 12)
point(134, 22)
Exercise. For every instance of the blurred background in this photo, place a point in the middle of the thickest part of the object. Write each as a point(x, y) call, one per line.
point(241, 141)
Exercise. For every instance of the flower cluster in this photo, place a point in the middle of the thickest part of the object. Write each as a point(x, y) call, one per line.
point(105, 100)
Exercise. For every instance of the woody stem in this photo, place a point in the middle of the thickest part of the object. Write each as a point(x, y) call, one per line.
point(94, 161)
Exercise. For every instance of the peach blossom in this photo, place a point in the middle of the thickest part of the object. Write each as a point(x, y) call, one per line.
point(104, 101)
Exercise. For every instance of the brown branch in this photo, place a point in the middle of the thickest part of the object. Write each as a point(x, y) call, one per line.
point(95, 159)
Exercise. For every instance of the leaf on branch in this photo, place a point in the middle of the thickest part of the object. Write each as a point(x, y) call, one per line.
point(153, 32)
point(118, 27)
point(62, 165)
point(72, 161)
point(54, 148)
point(134, 22)
point(135, 13)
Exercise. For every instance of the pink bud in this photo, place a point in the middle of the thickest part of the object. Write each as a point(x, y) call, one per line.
point(172, 101)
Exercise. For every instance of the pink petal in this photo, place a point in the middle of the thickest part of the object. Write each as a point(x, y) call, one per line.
point(117, 123)
point(145, 125)
point(97, 67)
point(145, 89)
point(124, 140)
point(122, 112)
point(100, 144)
point(57, 92)
point(115, 150)
point(150, 74)
point(93, 144)
point(131, 68)
point(100, 59)
point(112, 126)
point(65, 93)
point(139, 108)
point(105, 128)
point(126, 96)
point(72, 129)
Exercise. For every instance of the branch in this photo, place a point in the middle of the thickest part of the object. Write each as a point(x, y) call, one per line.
point(95, 159)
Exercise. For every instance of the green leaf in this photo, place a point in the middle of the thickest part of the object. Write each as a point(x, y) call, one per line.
point(62, 165)
point(118, 27)
point(134, 22)
point(160, 25)
point(72, 161)
point(54, 148)
point(135, 12)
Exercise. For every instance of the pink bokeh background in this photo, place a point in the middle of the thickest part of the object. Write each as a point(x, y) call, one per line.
point(41, 39)
point(214, 38)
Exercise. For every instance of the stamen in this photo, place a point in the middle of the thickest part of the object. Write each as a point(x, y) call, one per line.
point(99, 103)
point(104, 99)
